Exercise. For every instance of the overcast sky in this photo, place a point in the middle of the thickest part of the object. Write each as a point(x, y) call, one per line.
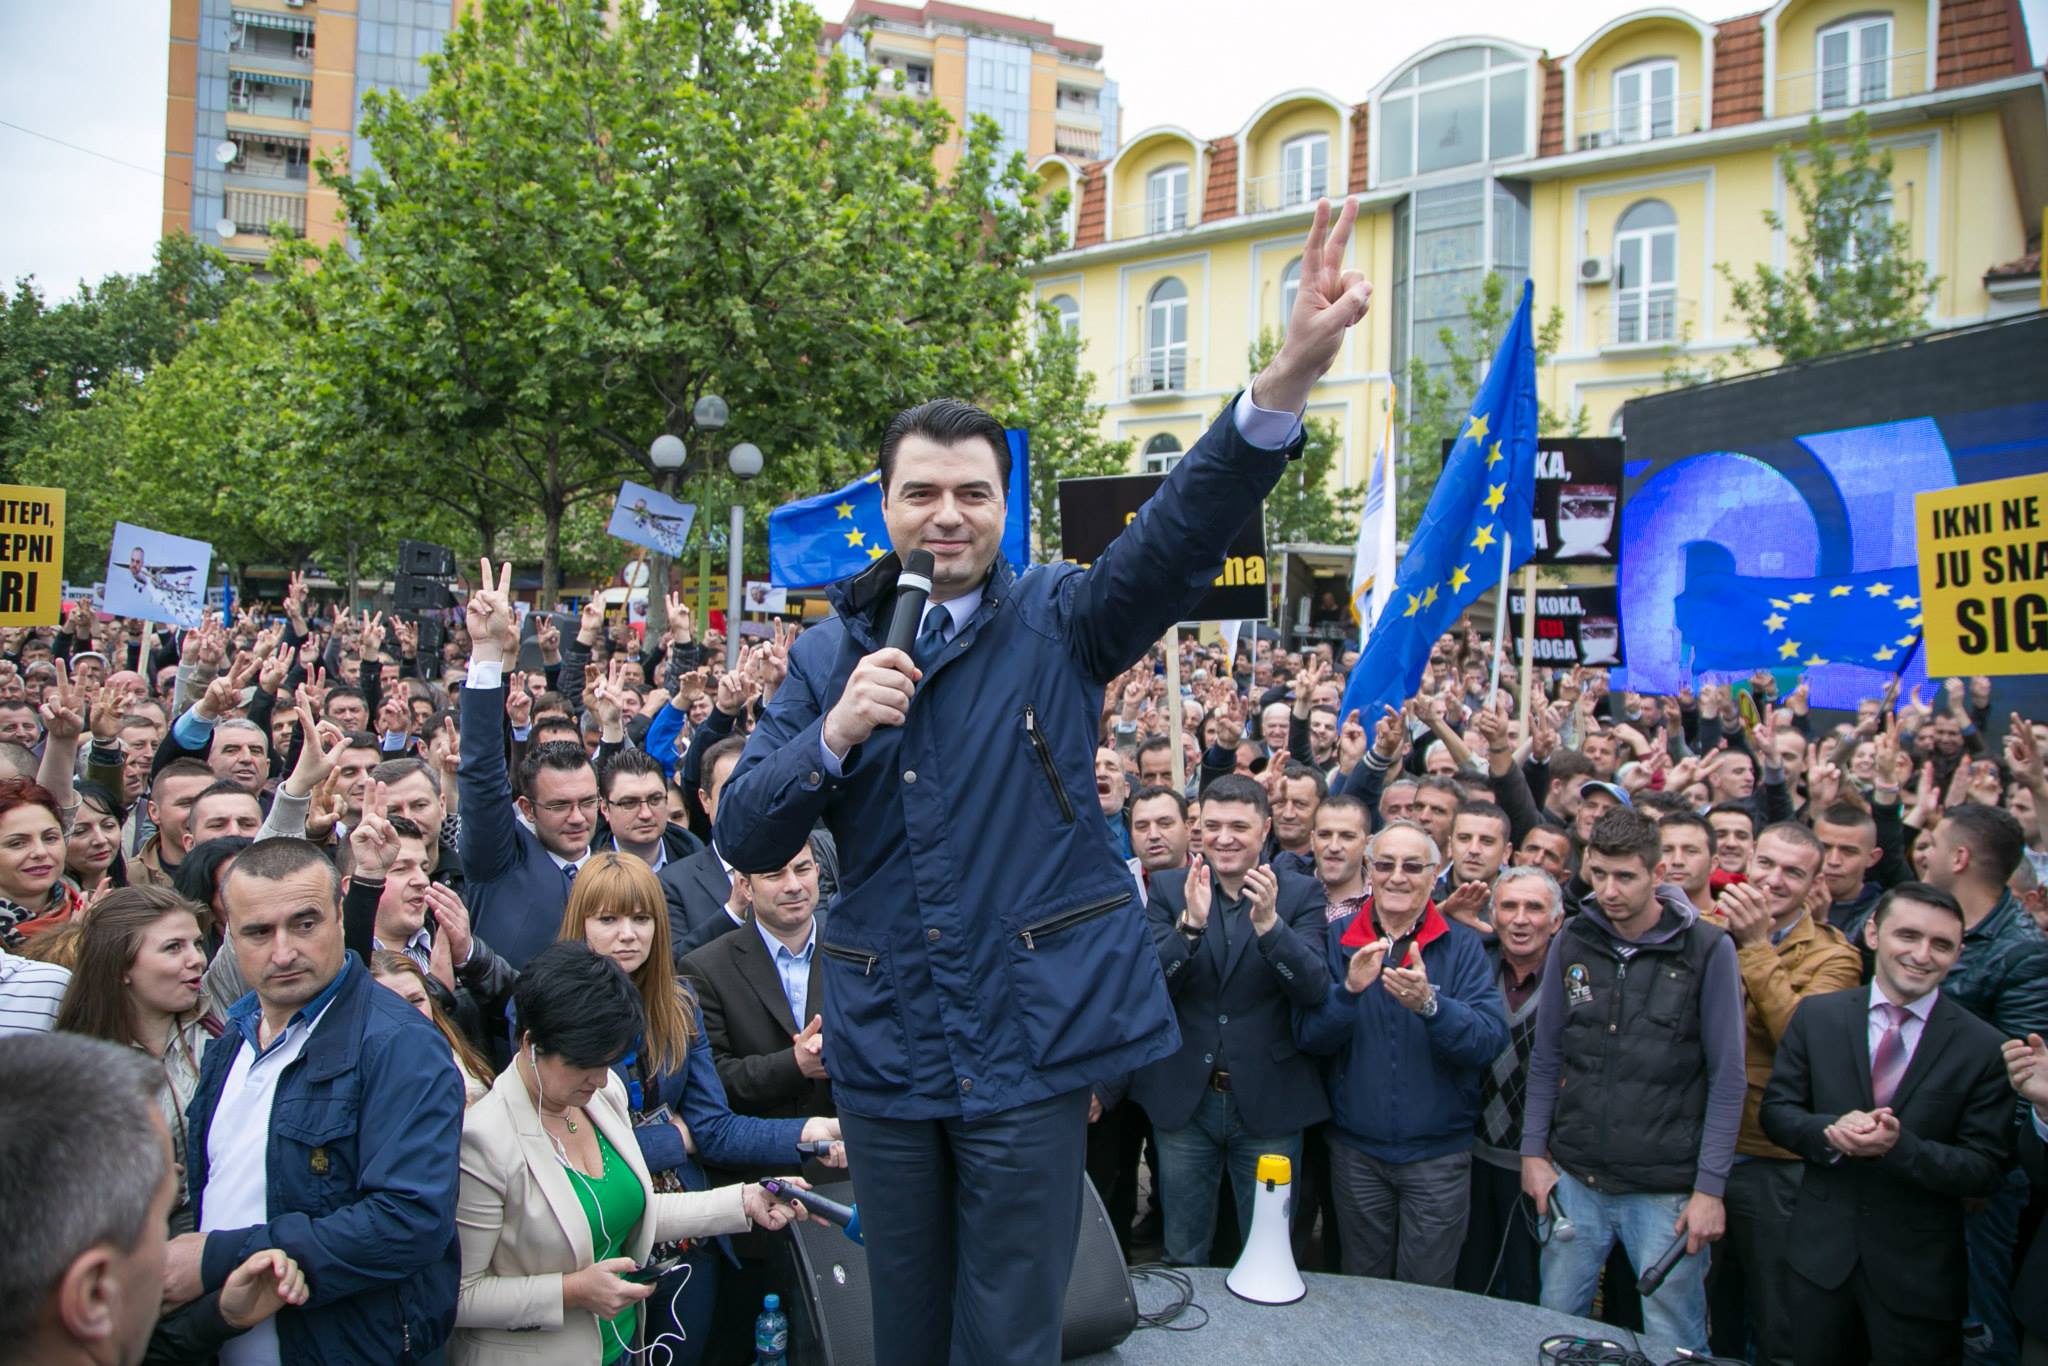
point(91, 73)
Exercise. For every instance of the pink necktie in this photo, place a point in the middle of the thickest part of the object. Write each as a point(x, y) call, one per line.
point(1888, 1061)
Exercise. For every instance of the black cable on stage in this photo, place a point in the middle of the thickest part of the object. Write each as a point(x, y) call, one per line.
point(1183, 1298)
point(1568, 1349)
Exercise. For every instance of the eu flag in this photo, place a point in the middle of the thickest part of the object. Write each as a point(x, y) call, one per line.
point(1734, 624)
point(1483, 499)
point(834, 535)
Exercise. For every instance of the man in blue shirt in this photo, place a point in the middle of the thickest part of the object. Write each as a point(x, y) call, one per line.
point(986, 960)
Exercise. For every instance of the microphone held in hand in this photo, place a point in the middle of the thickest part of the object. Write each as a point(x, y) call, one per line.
point(1654, 1277)
point(913, 591)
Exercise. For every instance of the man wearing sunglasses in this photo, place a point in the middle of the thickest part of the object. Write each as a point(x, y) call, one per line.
point(1413, 1021)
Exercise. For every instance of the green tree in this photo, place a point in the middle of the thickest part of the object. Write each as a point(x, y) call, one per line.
point(1065, 427)
point(1853, 279)
point(589, 220)
point(1304, 506)
point(1437, 399)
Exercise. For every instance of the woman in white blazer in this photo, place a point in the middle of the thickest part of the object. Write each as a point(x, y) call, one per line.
point(555, 1200)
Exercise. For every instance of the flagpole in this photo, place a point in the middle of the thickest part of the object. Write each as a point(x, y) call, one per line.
point(1500, 614)
point(1173, 712)
point(1528, 640)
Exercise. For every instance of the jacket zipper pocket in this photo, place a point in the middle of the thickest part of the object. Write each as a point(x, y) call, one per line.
point(1066, 920)
point(866, 960)
point(1052, 773)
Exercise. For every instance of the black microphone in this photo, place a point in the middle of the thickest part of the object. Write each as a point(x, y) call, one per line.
point(1654, 1277)
point(913, 590)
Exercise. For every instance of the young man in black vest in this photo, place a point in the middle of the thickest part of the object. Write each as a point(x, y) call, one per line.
point(1635, 1082)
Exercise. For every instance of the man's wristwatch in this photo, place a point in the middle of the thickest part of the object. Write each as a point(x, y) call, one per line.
point(1429, 1007)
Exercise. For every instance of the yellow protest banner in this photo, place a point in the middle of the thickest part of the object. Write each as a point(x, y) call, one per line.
point(1984, 576)
point(31, 555)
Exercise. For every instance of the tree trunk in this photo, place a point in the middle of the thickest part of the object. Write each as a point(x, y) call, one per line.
point(659, 570)
point(354, 548)
point(551, 553)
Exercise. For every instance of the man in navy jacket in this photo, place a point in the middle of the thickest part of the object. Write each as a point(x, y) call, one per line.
point(325, 1124)
point(986, 959)
point(1413, 1038)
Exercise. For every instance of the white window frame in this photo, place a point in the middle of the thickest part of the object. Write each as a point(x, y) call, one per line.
point(1166, 338)
point(1290, 287)
point(1166, 198)
point(1299, 184)
point(1159, 460)
point(1636, 120)
point(1504, 62)
point(1858, 85)
point(1069, 310)
point(1634, 302)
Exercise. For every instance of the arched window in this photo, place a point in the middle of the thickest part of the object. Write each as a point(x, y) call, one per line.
point(1853, 61)
point(1162, 453)
point(1646, 100)
point(1646, 273)
point(1290, 286)
point(1166, 339)
point(1455, 108)
point(1069, 313)
point(1166, 198)
point(1305, 168)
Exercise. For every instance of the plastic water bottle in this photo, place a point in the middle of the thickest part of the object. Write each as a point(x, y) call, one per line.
point(771, 1334)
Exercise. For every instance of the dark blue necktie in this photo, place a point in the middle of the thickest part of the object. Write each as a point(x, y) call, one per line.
point(938, 629)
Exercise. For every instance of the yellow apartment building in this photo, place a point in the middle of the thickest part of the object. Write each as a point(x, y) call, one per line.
point(1615, 176)
point(1047, 93)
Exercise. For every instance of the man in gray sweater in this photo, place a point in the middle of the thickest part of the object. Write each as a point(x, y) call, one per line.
point(1635, 1084)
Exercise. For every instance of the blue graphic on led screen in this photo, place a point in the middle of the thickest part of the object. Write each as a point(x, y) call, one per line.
point(1845, 509)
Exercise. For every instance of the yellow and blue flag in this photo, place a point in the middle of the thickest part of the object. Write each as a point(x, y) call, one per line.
point(1730, 623)
point(832, 536)
point(1479, 513)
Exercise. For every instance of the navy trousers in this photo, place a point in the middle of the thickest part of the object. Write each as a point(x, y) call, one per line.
point(970, 1228)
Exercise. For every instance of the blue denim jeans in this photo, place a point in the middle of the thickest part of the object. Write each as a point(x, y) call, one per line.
point(1676, 1316)
point(1192, 1159)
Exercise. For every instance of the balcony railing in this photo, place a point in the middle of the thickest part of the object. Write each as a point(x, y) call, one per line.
point(1661, 318)
point(255, 211)
point(1283, 191)
point(1161, 371)
point(271, 101)
point(1076, 142)
point(1851, 84)
point(1146, 217)
point(1646, 121)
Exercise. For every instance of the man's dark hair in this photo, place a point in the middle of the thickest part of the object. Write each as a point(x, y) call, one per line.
point(1795, 832)
point(626, 762)
point(948, 421)
point(1992, 835)
point(1437, 782)
point(274, 860)
point(561, 756)
point(1344, 801)
point(714, 755)
point(1691, 821)
point(181, 768)
point(399, 769)
point(1329, 709)
point(406, 828)
point(1741, 809)
point(360, 739)
point(84, 1105)
point(1923, 893)
point(1566, 764)
point(564, 731)
point(1296, 770)
point(1661, 803)
point(1622, 833)
point(198, 875)
point(1848, 815)
point(1235, 787)
point(224, 788)
point(578, 1005)
point(1153, 744)
point(1147, 794)
point(343, 691)
point(1486, 811)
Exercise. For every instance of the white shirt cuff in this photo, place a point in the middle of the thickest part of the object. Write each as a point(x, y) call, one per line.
point(834, 765)
point(1266, 428)
point(486, 673)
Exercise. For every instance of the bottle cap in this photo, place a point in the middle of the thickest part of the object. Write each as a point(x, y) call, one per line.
point(1275, 1168)
point(775, 1301)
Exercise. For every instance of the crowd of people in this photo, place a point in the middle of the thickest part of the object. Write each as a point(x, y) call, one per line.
point(394, 1002)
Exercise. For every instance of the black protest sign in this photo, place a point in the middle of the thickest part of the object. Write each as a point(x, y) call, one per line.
point(1574, 625)
point(1094, 512)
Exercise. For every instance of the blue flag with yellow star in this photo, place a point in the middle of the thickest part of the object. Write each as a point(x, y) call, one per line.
point(1735, 624)
point(834, 535)
point(1482, 500)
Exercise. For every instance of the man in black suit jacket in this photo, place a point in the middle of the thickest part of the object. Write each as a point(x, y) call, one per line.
point(765, 1033)
point(700, 888)
point(2026, 1065)
point(1242, 950)
point(1897, 1098)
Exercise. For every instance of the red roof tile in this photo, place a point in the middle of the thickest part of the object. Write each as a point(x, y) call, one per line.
point(2027, 267)
point(1739, 70)
point(1550, 131)
point(1091, 222)
point(1361, 147)
point(1219, 199)
point(1981, 40)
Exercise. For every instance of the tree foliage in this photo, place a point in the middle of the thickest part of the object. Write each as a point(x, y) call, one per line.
point(1304, 506)
point(1437, 399)
point(1066, 434)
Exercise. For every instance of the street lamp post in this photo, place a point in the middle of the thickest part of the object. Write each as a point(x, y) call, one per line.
point(745, 462)
point(667, 453)
point(708, 415)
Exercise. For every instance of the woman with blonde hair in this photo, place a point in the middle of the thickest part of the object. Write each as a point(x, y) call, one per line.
point(397, 972)
point(136, 981)
point(680, 1113)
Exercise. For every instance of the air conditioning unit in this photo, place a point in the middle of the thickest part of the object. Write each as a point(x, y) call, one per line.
point(1595, 270)
point(295, 4)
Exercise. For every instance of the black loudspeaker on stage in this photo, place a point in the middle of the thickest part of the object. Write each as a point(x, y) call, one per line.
point(831, 1320)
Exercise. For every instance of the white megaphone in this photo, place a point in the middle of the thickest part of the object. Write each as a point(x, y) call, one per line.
point(1265, 1272)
